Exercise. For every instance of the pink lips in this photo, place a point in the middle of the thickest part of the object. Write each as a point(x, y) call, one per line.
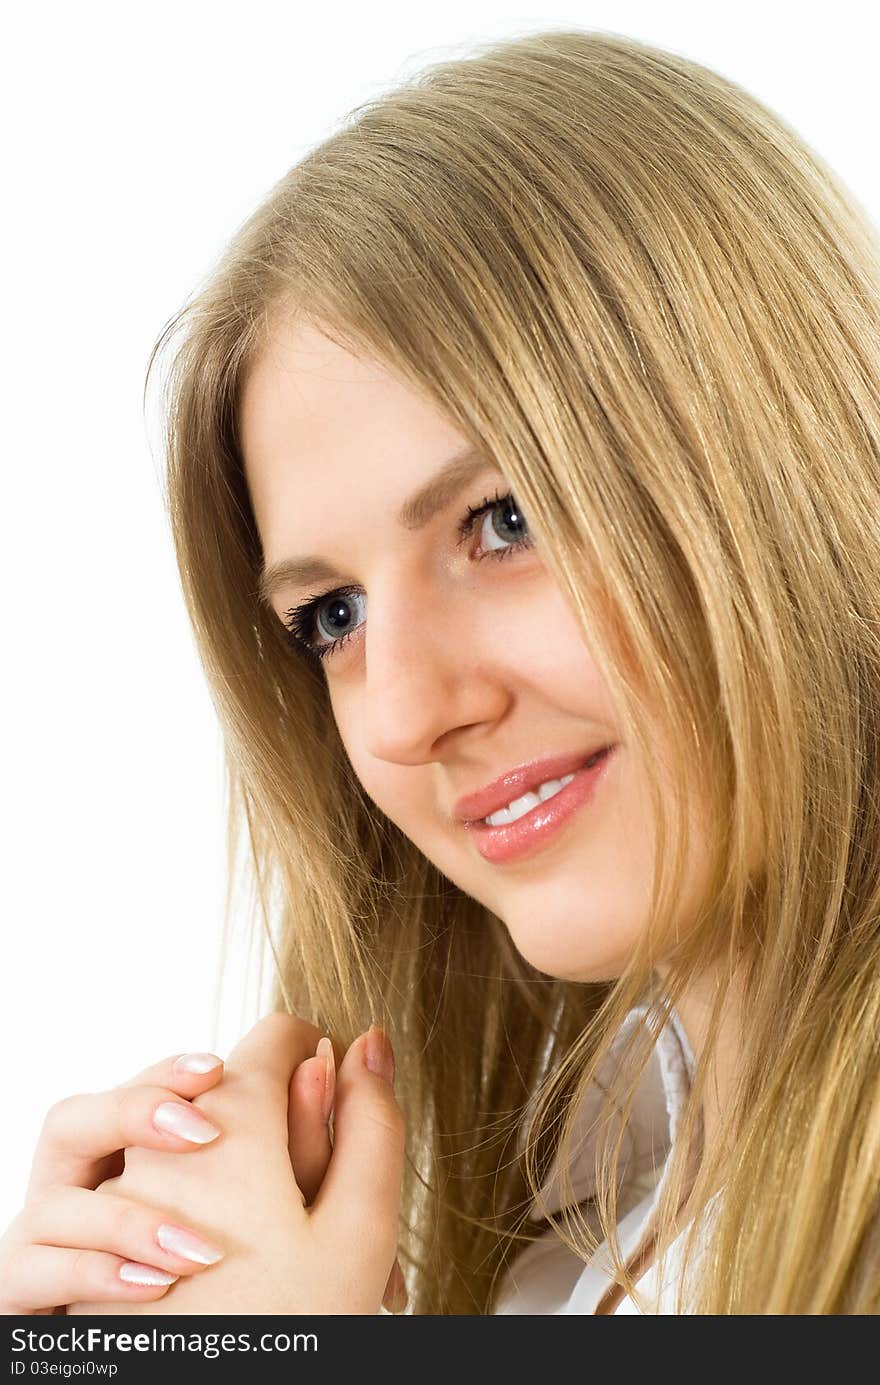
point(519, 781)
point(537, 828)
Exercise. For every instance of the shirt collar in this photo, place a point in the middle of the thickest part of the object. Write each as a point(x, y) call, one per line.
point(659, 1100)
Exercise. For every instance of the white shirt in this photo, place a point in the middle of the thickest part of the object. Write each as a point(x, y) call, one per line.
point(547, 1277)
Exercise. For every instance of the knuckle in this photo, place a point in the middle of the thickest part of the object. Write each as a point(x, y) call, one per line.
point(285, 1025)
point(59, 1115)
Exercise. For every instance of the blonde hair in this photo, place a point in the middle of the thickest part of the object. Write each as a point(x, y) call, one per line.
point(620, 273)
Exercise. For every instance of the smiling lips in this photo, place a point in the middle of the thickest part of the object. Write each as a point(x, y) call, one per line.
point(539, 821)
point(516, 782)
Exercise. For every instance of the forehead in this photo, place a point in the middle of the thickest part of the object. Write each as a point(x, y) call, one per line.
point(307, 400)
point(300, 371)
point(323, 430)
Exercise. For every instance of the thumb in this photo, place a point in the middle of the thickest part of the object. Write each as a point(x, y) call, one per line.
point(361, 1189)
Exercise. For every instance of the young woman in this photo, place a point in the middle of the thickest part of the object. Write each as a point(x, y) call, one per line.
point(524, 473)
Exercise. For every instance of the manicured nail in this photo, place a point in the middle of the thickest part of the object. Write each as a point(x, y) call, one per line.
point(197, 1062)
point(325, 1051)
point(179, 1241)
point(185, 1121)
point(133, 1273)
point(379, 1057)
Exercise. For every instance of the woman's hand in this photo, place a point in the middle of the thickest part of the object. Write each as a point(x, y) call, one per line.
point(333, 1256)
point(71, 1242)
point(311, 1098)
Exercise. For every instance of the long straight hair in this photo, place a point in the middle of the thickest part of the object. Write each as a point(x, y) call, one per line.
point(623, 275)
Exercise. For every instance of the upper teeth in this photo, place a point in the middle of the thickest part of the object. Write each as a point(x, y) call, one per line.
point(523, 805)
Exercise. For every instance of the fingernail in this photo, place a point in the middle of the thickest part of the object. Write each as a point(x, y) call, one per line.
point(325, 1051)
point(179, 1241)
point(185, 1121)
point(133, 1273)
point(379, 1056)
point(197, 1062)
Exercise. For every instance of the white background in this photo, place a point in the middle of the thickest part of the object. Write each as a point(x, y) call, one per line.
point(137, 139)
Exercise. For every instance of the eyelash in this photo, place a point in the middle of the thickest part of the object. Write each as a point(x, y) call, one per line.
point(299, 621)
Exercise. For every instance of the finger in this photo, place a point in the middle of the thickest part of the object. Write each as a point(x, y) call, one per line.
point(360, 1194)
point(254, 1093)
point(185, 1073)
point(85, 1220)
point(45, 1276)
point(308, 1111)
point(189, 1074)
point(275, 1045)
point(80, 1131)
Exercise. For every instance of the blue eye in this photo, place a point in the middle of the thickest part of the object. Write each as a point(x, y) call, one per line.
point(329, 613)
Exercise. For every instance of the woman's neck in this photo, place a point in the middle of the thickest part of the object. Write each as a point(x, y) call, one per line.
point(694, 1008)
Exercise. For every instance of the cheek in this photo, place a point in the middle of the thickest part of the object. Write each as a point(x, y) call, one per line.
point(392, 789)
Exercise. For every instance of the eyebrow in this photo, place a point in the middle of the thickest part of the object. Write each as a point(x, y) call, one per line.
point(416, 512)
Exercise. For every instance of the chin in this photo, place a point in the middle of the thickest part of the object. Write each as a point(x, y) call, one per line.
point(568, 963)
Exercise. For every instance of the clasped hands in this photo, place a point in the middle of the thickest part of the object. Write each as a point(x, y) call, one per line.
point(306, 1226)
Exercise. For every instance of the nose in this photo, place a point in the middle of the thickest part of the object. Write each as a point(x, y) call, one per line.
point(429, 671)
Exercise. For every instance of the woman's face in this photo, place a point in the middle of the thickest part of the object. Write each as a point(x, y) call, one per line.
point(455, 666)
